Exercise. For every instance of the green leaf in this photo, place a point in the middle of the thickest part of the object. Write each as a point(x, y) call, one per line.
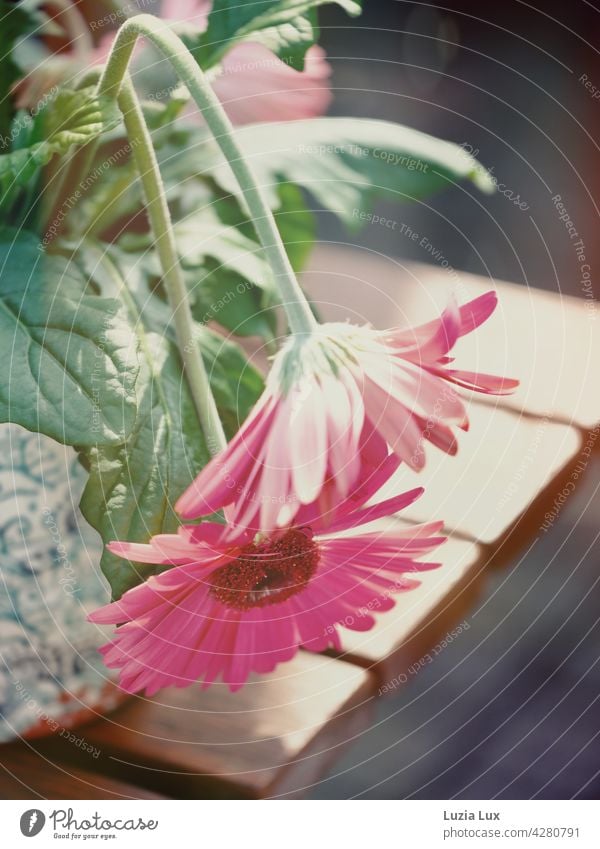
point(17, 22)
point(228, 279)
point(287, 27)
point(203, 235)
point(161, 113)
point(132, 487)
point(230, 300)
point(296, 224)
point(69, 119)
point(345, 162)
point(235, 383)
point(70, 361)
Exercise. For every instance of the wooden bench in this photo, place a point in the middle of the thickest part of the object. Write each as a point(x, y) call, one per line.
point(281, 732)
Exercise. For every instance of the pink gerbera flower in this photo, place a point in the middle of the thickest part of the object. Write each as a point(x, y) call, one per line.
point(233, 603)
point(335, 399)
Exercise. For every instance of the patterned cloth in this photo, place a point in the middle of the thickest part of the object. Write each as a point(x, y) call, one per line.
point(51, 674)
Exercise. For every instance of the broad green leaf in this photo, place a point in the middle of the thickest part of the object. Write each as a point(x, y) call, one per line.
point(235, 383)
point(227, 298)
point(70, 360)
point(287, 27)
point(228, 279)
point(132, 487)
point(295, 222)
point(69, 119)
point(344, 162)
point(202, 234)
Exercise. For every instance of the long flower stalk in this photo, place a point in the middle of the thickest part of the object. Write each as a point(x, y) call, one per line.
point(162, 229)
point(300, 317)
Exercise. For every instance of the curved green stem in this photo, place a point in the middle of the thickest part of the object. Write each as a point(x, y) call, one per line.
point(160, 222)
point(298, 311)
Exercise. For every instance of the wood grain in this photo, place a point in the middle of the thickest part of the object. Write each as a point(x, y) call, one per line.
point(421, 617)
point(275, 736)
point(27, 774)
point(504, 462)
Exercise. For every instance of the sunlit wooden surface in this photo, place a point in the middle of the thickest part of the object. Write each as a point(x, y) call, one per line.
point(271, 737)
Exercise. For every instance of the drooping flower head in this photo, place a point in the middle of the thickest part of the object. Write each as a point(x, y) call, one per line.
point(334, 401)
point(233, 603)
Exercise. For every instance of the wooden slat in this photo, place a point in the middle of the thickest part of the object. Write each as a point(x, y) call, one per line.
point(504, 462)
point(273, 737)
point(421, 617)
point(549, 342)
point(26, 774)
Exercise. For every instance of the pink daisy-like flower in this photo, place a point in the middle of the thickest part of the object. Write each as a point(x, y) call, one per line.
point(334, 401)
point(233, 603)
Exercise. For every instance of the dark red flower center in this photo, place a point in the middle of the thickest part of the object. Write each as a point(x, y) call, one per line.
point(267, 572)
